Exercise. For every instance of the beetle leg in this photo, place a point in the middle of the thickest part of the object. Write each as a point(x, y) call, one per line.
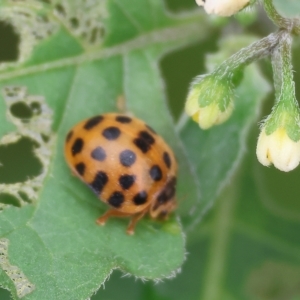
point(115, 213)
point(110, 213)
point(133, 221)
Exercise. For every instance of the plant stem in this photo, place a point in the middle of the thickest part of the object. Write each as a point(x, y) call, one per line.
point(291, 25)
point(277, 19)
point(287, 67)
point(276, 60)
point(283, 72)
point(282, 66)
point(247, 55)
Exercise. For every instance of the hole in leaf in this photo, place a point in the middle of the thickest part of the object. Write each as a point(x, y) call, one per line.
point(74, 23)
point(5, 294)
point(24, 197)
point(12, 91)
point(10, 200)
point(60, 10)
point(21, 110)
point(36, 108)
point(9, 50)
point(17, 161)
point(94, 34)
point(45, 138)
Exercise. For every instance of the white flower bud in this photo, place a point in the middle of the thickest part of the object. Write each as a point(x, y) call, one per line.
point(279, 149)
point(211, 115)
point(224, 8)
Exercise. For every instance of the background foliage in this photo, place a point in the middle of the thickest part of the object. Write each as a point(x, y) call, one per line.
point(241, 220)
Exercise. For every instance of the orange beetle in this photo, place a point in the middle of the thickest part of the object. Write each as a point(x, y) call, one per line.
point(127, 165)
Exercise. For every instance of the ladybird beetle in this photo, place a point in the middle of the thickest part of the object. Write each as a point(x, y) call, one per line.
point(126, 164)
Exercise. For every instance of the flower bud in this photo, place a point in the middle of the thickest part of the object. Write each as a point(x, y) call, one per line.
point(209, 101)
point(278, 148)
point(279, 140)
point(224, 8)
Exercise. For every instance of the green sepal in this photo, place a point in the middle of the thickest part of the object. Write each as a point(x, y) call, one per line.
point(213, 89)
point(284, 115)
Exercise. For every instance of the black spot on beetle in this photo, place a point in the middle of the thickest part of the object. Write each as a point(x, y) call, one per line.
point(144, 141)
point(92, 122)
point(80, 168)
point(98, 154)
point(127, 158)
point(167, 159)
point(140, 198)
point(111, 133)
point(147, 137)
point(167, 193)
point(69, 136)
point(116, 199)
point(77, 146)
point(155, 173)
point(142, 145)
point(126, 181)
point(99, 182)
point(123, 119)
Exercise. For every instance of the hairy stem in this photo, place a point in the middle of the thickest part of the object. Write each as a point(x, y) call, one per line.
point(283, 72)
point(247, 55)
point(292, 25)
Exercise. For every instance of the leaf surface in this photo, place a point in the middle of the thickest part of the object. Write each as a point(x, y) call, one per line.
point(73, 66)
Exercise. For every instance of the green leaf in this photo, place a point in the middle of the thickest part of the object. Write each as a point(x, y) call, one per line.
point(72, 66)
